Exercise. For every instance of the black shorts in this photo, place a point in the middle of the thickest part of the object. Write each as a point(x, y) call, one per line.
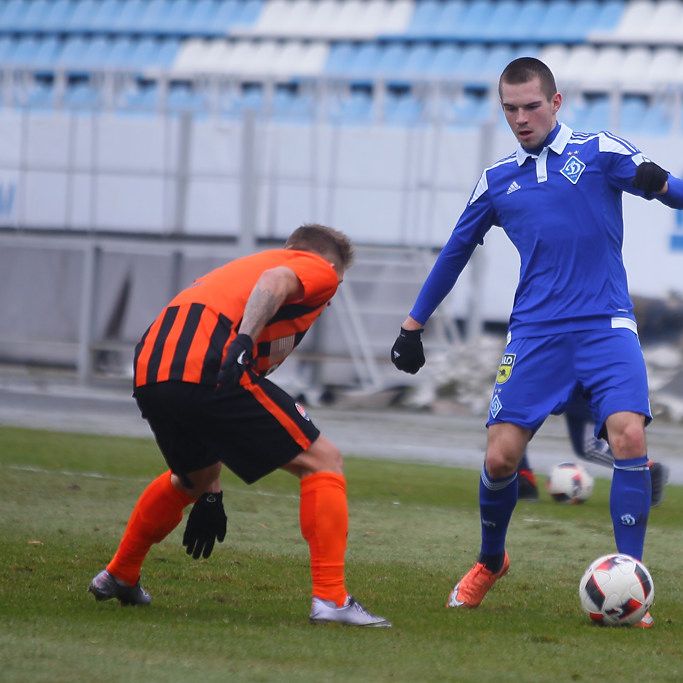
point(253, 428)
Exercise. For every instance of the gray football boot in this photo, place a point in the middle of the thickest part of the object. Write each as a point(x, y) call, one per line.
point(105, 587)
point(351, 613)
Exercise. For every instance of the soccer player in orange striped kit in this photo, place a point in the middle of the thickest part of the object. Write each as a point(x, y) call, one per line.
point(200, 382)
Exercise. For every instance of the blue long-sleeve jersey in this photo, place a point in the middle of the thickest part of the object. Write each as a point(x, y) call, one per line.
point(562, 210)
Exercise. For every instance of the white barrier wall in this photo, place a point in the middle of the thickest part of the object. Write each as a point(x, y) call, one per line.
point(383, 185)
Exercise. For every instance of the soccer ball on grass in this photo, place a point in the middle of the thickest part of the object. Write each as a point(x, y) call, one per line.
point(570, 482)
point(616, 590)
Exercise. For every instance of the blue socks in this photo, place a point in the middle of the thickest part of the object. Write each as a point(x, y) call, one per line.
point(497, 500)
point(629, 504)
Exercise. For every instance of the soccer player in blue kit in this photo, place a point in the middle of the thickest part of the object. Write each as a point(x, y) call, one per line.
point(558, 198)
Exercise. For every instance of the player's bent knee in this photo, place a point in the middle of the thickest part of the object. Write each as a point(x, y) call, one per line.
point(499, 467)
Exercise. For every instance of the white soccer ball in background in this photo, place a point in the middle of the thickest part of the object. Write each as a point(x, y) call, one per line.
point(616, 590)
point(570, 482)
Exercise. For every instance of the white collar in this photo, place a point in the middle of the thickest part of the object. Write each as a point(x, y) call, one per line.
point(557, 145)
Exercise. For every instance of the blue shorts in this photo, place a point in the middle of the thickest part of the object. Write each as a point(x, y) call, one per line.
point(537, 376)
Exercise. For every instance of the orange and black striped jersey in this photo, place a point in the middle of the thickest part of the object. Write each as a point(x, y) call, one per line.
point(188, 340)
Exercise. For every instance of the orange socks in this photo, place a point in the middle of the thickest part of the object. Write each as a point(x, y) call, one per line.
point(324, 520)
point(158, 511)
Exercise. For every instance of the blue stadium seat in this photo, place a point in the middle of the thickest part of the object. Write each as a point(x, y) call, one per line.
point(595, 116)
point(609, 15)
point(182, 97)
point(552, 27)
point(470, 65)
point(446, 60)
point(141, 98)
point(144, 53)
point(355, 108)
point(129, 17)
point(425, 19)
point(502, 16)
point(23, 51)
point(96, 52)
point(657, 120)
point(341, 55)
point(289, 105)
point(523, 26)
point(473, 23)
point(249, 11)
point(40, 97)
point(6, 48)
point(82, 16)
point(363, 63)
point(176, 18)
point(81, 96)
point(118, 56)
point(106, 16)
point(227, 13)
point(450, 18)
point(12, 16)
point(402, 108)
point(31, 21)
point(72, 54)
point(168, 50)
point(470, 110)
point(391, 60)
point(419, 60)
point(58, 17)
point(582, 20)
point(153, 15)
point(203, 18)
point(633, 110)
point(45, 54)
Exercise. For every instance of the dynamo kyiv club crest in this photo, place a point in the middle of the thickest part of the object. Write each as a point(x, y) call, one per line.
point(573, 169)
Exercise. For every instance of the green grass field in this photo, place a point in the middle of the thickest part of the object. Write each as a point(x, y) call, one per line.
point(242, 614)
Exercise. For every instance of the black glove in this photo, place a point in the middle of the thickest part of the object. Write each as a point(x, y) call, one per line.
point(206, 524)
point(237, 360)
point(407, 353)
point(650, 178)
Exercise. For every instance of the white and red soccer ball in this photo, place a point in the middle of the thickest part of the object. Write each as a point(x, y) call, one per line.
point(570, 482)
point(616, 590)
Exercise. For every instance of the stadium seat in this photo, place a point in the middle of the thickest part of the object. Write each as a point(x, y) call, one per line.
point(57, 17)
point(446, 60)
point(339, 58)
point(227, 11)
point(81, 19)
point(666, 66)
point(666, 25)
point(502, 15)
point(530, 16)
point(81, 96)
point(583, 18)
point(632, 112)
point(391, 61)
point(31, 19)
point(12, 16)
point(418, 60)
point(119, 55)
point(248, 14)
point(617, 20)
point(472, 24)
point(552, 27)
point(425, 19)
point(470, 64)
point(657, 120)
point(354, 108)
point(449, 19)
point(106, 15)
point(402, 108)
point(200, 22)
point(72, 54)
point(44, 56)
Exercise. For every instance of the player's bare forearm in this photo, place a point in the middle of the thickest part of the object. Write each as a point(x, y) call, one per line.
point(411, 324)
point(272, 289)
